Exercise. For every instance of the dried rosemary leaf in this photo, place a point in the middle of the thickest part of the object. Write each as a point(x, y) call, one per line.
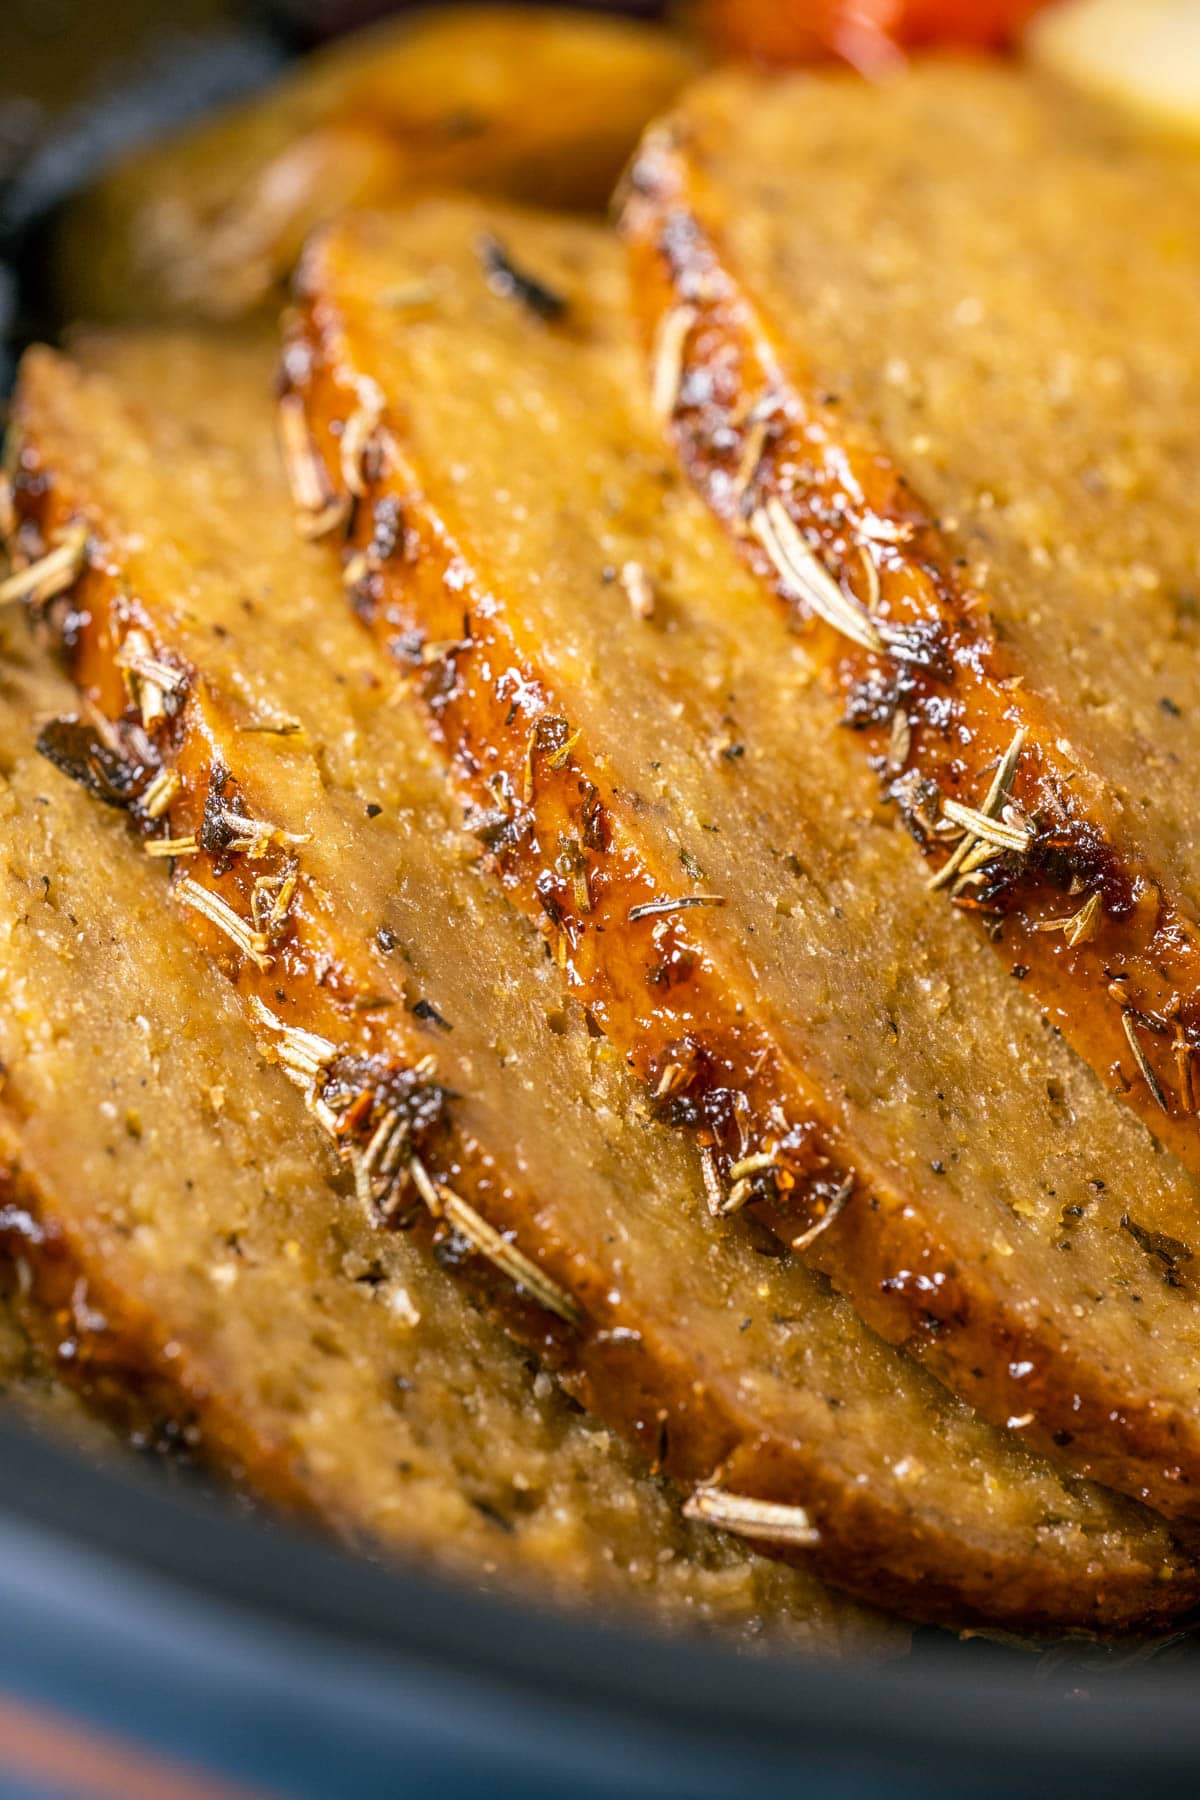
point(987, 829)
point(1183, 1052)
point(1080, 927)
point(160, 792)
point(318, 510)
point(172, 846)
point(50, 575)
point(639, 590)
point(657, 909)
point(995, 798)
point(501, 1252)
point(769, 1520)
point(302, 1050)
point(807, 579)
point(218, 912)
point(670, 342)
point(899, 741)
point(1129, 1021)
point(807, 1238)
point(758, 426)
point(714, 1193)
point(357, 443)
point(282, 727)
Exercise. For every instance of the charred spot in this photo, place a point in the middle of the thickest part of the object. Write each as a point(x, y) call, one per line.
point(363, 593)
point(672, 969)
point(428, 1013)
point(921, 643)
point(1000, 881)
point(919, 799)
point(216, 832)
point(361, 1089)
point(872, 701)
point(1074, 856)
point(407, 646)
point(493, 1515)
point(497, 830)
point(513, 283)
point(387, 529)
point(546, 888)
point(591, 818)
point(679, 1111)
point(700, 1098)
point(451, 1250)
point(550, 733)
point(1169, 1251)
point(82, 752)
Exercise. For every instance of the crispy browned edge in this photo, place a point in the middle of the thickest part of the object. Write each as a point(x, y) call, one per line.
point(121, 1369)
point(881, 1248)
point(889, 1557)
point(1133, 965)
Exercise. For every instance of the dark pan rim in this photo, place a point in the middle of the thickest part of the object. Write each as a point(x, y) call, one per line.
point(1140, 1721)
point(944, 1709)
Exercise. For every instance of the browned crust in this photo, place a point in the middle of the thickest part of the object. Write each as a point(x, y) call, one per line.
point(624, 1365)
point(1136, 966)
point(128, 1366)
point(883, 1250)
point(114, 1353)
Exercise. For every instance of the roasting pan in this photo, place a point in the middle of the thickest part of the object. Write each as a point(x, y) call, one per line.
point(159, 1639)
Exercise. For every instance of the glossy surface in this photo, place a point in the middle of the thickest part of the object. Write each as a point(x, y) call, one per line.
point(1021, 548)
point(831, 1030)
point(716, 1356)
point(191, 1246)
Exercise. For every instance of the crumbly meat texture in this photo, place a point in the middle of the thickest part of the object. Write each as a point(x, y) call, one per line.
point(951, 322)
point(722, 1360)
point(539, 105)
point(801, 991)
point(187, 1212)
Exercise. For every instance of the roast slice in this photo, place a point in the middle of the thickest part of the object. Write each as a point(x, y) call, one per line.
point(541, 105)
point(200, 1258)
point(660, 778)
point(734, 1369)
point(946, 327)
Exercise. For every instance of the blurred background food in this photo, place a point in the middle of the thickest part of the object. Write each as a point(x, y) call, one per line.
point(1144, 54)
